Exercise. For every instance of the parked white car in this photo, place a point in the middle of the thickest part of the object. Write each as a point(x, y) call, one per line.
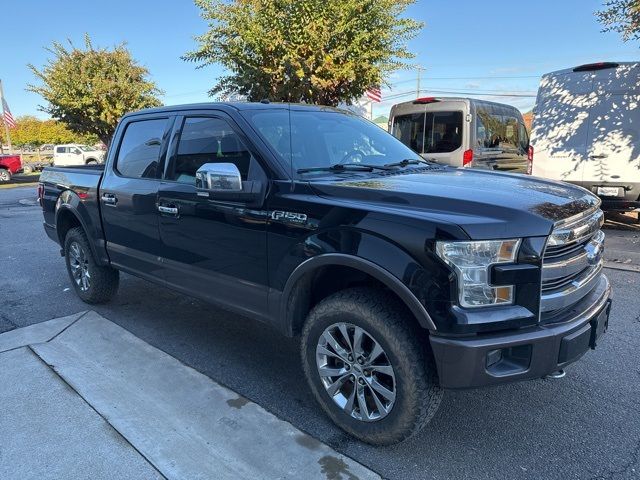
point(73, 154)
point(586, 131)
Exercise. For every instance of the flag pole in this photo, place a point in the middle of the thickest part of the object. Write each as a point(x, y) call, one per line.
point(6, 127)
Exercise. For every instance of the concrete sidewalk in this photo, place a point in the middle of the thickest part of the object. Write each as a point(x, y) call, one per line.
point(80, 397)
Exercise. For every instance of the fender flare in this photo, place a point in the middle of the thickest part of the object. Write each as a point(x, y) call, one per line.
point(358, 263)
point(64, 206)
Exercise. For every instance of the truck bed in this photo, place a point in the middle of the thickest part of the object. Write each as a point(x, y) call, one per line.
point(79, 187)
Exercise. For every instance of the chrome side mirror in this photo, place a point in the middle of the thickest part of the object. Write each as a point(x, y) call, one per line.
point(219, 177)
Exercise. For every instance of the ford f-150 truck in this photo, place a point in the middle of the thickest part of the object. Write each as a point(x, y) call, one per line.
point(400, 277)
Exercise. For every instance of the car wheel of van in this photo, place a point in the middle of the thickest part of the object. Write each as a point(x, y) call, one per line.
point(369, 366)
point(91, 162)
point(5, 175)
point(92, 282)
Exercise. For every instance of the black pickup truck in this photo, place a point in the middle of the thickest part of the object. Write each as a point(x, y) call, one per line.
point(401, 277)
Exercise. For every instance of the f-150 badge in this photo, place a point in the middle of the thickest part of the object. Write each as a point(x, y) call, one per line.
point(299, 218)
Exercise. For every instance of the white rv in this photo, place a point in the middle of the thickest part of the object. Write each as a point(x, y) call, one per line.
point(586, 131)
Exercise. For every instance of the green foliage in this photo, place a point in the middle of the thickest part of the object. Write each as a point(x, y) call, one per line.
point(33, 131)
point(313, 51)
point(89, 90)
point(621, 16)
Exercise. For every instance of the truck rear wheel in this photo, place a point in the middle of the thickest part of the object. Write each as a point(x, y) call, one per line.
point(92, 282)
point(369, 367)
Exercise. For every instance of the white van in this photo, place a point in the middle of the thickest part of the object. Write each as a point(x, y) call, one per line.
point(586, 131)
point(73, 154)
point(463, 132)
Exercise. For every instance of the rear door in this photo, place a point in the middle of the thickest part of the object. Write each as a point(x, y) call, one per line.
point(614, 131)
point(214, 249)
point(129, 191)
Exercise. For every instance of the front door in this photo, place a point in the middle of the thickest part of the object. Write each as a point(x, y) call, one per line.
point(129, 193)
point(214, 249)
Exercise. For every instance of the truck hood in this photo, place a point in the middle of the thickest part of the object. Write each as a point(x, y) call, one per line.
point(484, 204)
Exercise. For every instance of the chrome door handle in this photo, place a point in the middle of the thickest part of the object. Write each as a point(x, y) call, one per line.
point(168, 210)
point(598, 156)
point(109, 199)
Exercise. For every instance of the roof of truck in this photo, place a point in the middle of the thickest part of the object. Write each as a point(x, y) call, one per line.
point(239, 106)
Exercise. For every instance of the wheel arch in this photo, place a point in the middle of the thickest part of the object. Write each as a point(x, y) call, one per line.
point(295, 301)
point(71, 213)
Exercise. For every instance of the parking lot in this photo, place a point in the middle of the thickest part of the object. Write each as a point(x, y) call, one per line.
point(586, 425)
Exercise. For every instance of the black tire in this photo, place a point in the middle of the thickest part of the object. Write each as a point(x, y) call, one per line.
point(5, 175)
point(405, 344)
point(103, 282)
point(91, 161)
point(27, 169)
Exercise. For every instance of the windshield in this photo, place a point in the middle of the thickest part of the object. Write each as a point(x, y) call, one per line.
point(325, 138)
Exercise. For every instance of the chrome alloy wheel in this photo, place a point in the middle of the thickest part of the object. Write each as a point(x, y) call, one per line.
point(356, 372)
point(79, 264)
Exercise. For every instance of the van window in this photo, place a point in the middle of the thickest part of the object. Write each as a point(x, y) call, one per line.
point(432, 132)
point(499, 129)
point(60, 149)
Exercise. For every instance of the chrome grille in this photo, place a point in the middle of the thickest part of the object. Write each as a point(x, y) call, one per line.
point(572, 261)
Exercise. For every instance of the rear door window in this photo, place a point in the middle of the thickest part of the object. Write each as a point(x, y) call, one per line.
point(409, 129)
point(139, 153)
point(431, 132)
point(443, 132)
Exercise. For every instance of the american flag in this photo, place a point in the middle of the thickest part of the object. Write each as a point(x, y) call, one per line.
point(8, 118)
point(374, 94)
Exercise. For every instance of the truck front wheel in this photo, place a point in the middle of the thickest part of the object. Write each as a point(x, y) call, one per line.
point(5, 175)
point(92, 283)
point(369, 367)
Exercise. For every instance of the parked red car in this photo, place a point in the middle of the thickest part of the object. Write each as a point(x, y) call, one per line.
point(9, 165)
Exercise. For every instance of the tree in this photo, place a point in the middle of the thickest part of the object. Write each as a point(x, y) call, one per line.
point(621, 16)
point(89, 90)
point(33, 131)
point(313, 51)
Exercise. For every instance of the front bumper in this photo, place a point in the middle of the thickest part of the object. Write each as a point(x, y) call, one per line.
point(492, 359)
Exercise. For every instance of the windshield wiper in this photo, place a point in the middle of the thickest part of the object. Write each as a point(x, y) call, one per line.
point(407, 161)
point(345, 167)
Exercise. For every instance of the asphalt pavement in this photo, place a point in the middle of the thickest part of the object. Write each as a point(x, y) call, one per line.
point(586, 425)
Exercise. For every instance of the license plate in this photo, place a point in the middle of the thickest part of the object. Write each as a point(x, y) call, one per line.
point(608, 191)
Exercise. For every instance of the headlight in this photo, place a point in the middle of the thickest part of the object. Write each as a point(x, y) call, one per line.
point(471, 261)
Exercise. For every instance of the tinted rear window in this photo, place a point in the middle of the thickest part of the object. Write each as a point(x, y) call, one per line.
point(431, 132)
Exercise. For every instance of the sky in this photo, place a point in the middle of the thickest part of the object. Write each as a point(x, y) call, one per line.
point(483, 49)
